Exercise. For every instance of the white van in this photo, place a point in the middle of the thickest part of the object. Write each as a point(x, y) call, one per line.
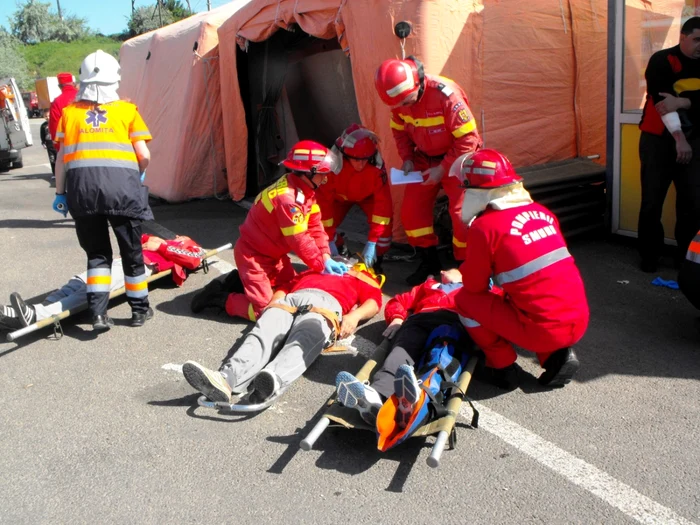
point(14, 125)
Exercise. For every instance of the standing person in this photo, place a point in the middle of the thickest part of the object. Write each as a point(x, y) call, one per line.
point(98, 172)
point(669, 146)
point(361, 181)
point(284, 218)
point(67, 96)
point(518, 242)
point(47, 142)
point(432, 125)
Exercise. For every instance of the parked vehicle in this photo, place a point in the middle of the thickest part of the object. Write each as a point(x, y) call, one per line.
point(14, 125)
point(31, 102)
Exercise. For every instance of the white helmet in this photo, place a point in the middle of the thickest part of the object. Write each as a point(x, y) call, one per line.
point(100, 67)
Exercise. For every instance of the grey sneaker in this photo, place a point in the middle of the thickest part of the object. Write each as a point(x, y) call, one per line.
point(354, 394)
point(212, 384)
point(264, 386)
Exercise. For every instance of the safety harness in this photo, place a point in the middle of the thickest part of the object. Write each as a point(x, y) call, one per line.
point(330, 316)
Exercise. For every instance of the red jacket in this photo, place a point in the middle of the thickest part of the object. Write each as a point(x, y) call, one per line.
point(356, 187)
point(67, 96)
point(426, 297)
point(440, 123)
point(525, 252)
point(349, 290)
point(284, 218)
point(176, 255)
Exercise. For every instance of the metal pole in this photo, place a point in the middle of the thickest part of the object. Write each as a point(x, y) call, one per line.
point(58, 5)
point(208, 5)
point(160, 16)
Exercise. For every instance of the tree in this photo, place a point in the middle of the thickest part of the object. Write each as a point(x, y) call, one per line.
point(34, 22)
point(178, 10)
point(12, 63)
point(145, 19)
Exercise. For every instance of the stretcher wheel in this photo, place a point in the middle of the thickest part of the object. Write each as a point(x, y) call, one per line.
point(452, 442)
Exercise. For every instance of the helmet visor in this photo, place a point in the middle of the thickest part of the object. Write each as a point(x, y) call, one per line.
point(458, 166)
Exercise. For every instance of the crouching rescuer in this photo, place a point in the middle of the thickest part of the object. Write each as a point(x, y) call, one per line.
point(103, 152)
point(519, 244)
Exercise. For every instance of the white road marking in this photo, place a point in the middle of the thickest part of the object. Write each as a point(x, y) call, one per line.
point(173, 367)
point(221, 266)
point(577, 471)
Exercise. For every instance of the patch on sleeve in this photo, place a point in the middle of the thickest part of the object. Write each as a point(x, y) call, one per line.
point(464, 115)
point(295, 214)
point(457, 105)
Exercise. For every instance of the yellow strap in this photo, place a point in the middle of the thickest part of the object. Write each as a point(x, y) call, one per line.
point(394, 125)
point(423, 122)
point(420, 232)
point(464, 129)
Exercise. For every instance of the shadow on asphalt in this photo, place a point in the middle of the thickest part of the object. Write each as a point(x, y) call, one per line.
point(37, 224)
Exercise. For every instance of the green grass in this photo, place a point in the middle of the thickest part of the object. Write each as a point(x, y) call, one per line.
point(48, 58)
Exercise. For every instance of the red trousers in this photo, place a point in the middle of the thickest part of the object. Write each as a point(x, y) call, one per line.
point(341, 209)
point(419, 203)
point(259, 275)
point(495, 325)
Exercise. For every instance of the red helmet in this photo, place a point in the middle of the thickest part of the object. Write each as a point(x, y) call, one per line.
point(486, 168)
point(311, 157)
point(396, 80)
point(357, 142)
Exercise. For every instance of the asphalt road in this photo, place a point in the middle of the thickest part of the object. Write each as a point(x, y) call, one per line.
point(106, 430)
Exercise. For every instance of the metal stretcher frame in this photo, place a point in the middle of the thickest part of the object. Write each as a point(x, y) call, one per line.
point(341, 416)
point(55, 320)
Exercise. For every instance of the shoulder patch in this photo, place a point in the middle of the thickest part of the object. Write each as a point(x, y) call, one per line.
point(446, 90)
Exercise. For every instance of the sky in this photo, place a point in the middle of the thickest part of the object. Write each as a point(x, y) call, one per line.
point(103, 16)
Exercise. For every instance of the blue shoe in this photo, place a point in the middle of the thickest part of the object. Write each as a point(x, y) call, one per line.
point(407, 390)
point(352, 393)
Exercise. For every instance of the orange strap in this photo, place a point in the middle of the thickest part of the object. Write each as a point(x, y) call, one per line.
point(330, 316)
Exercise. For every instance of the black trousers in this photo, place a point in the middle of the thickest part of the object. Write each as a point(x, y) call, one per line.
point(659, 169)
point(52, 156)
point(408, 346)
point(689, 282)
point(93, 235)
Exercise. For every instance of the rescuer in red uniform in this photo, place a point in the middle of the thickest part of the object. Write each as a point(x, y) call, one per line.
point(518, 243)
point(361, 181)
point(284, 218)
point(432, 126)
point(67, 96)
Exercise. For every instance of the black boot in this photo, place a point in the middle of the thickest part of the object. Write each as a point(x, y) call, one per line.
point(233, 283)
point(430, 265)
point(212, 296)
point(559, 368)
point(507, 378)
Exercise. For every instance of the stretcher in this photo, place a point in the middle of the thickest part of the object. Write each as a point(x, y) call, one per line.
point(55, 320)
point(337, 415)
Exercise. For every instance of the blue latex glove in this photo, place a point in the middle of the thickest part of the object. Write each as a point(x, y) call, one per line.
point(673, 285)
point(143, 176)
point(332, 247)
point(369, 254)
point(60, 204)
point(335, 268)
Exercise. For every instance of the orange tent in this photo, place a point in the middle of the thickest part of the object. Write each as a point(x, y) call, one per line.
point(534, 73)
point(172, 74)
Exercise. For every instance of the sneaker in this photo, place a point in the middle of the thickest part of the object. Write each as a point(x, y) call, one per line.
point(102, 323)
point(407, 390)
point(559, 368)
point(9, 322)
point(26, 313)
point(354, 394)
point(139, 319)
point(264, 386)
point(212, 384)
